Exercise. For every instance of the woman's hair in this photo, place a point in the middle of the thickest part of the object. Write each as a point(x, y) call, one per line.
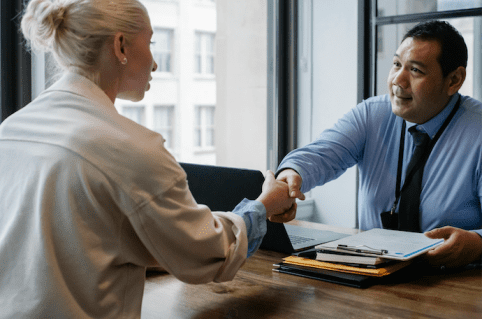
point(75, 31)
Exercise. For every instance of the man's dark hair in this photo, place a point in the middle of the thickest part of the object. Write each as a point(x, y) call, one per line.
point(452, 44)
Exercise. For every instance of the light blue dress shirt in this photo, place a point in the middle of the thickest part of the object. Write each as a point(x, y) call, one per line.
point(254, 216)
point(369, 135)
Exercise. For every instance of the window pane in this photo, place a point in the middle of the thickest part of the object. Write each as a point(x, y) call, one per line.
point(238, 136)
point(164, 123)
point(210, 137)
point(399, 7)
point(161, 49)
point(210, 116)
point(134, 113)
point(327, 89)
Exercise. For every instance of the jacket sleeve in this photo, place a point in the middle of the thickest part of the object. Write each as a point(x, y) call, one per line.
point(188, 240)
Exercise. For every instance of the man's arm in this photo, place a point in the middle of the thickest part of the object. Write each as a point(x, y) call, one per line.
point(330, 155)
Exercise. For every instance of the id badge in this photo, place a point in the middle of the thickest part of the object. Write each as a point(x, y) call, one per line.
point(389, 220)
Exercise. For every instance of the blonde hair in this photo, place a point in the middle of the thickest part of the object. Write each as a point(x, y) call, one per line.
point(75, 31)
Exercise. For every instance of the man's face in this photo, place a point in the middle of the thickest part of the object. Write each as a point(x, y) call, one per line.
point(418, 91)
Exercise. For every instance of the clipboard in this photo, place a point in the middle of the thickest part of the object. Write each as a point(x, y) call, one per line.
point(386, 243)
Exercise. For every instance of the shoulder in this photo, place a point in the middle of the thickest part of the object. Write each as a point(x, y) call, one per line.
point(470, 112)
point(375, 109)
point(468, 120)
point(470, 104)
point(379, 101)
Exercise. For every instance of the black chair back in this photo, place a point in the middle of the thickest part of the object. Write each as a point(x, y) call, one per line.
point(222, 188)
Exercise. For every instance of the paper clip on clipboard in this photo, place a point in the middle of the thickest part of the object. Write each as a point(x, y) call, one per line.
point(366, 250)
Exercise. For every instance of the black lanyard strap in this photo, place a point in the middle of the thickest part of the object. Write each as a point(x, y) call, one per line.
point(431, 145)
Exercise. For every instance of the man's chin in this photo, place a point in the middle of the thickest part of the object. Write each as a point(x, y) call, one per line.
point(401, 111)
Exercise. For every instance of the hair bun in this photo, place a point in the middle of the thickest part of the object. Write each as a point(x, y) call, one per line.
point(58, 15)
point(40, 22)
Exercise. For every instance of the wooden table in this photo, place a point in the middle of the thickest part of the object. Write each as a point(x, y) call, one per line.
point(258, 292)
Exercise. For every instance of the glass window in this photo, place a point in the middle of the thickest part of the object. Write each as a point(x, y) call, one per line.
point(204, 53)
point(164, 123)
point(199, 28)
point(399, 7)
point(204, 128)
point(134, 113)
point(327, 89)
point(162, 49)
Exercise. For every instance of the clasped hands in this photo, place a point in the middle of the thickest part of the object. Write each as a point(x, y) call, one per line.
point(279, 198)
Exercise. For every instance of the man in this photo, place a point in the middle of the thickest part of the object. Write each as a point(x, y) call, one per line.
point(428, 69)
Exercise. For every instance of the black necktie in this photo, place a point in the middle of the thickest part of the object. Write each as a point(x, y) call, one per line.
point(408, 217)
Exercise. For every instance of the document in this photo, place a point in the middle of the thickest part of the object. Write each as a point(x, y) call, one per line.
point(385, 243)
point(343, 257)
point(316, 264)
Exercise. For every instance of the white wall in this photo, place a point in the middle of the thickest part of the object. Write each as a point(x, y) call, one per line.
point(328, 90)
point(241, 73)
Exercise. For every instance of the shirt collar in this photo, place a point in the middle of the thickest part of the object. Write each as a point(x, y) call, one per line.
point(431, 127)
point(78, 84)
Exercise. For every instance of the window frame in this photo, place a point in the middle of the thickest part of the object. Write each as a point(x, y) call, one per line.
point(202, 126)
point(204, 54)
point(171, 110)
point(142, 113)
point(15, 61)
point(170, 51)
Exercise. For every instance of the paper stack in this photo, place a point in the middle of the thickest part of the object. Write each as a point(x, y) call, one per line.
point(360, 259)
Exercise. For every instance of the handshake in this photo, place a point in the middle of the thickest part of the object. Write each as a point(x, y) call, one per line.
point(279, 195)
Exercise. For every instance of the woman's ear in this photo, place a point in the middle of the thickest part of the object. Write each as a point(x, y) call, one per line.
point(456, 78)
point(119, 46)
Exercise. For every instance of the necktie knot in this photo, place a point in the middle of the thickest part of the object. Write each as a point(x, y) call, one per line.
point(419, 138)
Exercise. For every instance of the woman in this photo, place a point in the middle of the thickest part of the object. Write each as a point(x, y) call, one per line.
point(90, 198)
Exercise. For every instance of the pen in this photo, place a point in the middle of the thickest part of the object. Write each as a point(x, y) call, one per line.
point(356, 249)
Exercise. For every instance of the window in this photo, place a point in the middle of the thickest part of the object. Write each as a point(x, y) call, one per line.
point(162, 49)
point(134, 113)
point(237, 133)
point(330, 82)
point(327, 89)
point(164, 124)
point(204, 56)
point(204, 127)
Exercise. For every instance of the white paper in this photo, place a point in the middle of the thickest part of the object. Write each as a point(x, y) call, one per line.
point(399, 244)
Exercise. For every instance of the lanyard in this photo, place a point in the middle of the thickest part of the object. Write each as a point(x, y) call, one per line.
point(409, 175)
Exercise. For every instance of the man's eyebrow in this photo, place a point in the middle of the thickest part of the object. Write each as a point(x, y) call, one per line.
point(419, 63)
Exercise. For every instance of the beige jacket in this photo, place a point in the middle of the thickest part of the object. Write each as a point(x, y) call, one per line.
point(88, 200)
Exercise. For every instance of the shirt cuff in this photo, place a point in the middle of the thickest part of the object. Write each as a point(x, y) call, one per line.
point(254, 216)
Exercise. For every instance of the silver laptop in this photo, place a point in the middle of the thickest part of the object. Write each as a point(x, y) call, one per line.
point(288, 239)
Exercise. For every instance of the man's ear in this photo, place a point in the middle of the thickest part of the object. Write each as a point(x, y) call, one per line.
point(455, 80)
point(119, 46)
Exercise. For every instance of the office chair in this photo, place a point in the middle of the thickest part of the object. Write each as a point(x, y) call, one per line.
point(222, 188)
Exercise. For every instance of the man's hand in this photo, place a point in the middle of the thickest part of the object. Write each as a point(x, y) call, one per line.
point(293, 179)
point(461, 247)
point(280, 207)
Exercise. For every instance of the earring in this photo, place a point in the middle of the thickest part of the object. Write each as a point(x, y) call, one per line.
point(124, 62)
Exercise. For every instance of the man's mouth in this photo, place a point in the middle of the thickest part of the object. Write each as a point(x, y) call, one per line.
point(398, 94)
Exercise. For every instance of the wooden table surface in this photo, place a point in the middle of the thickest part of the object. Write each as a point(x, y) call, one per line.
point(258, 292)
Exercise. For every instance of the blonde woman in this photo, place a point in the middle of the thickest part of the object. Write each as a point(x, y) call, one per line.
point(90, 198)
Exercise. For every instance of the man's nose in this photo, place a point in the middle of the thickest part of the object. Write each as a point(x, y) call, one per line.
point(400, 78)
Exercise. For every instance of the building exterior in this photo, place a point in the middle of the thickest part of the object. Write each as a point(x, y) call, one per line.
point(181, 103)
